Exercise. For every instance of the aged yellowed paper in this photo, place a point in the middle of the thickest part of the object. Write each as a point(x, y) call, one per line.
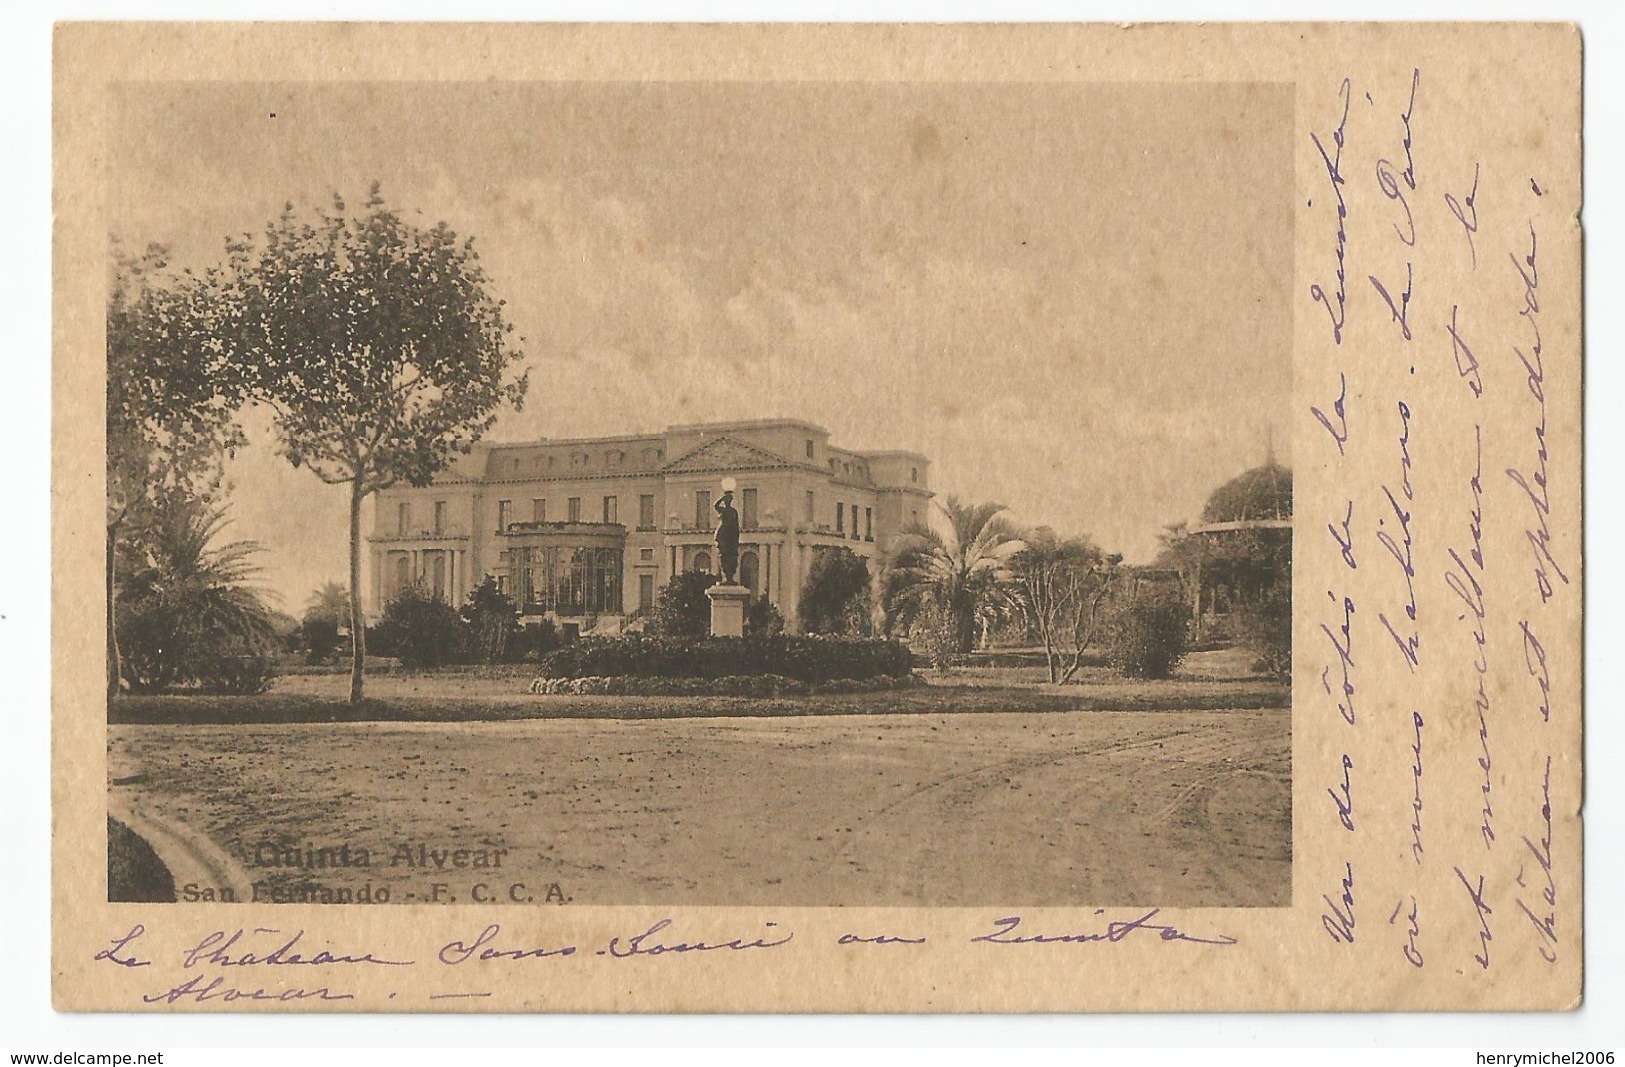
point(813, 518)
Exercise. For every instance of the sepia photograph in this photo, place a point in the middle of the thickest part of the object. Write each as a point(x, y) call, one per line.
point(700, 493)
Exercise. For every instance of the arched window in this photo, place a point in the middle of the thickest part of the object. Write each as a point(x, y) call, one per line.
point(701, 562)
point(749, 571)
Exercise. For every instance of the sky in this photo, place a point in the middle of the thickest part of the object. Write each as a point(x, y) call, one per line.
point(1073, 298)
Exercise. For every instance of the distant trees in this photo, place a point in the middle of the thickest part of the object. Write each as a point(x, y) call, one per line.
point(326, 613)
point(379, 346)
point(330, 602)
point(949, 579)
point(1058, 586)
point(836, 598)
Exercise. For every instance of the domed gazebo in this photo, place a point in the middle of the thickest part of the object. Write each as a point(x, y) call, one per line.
point(1243, 545)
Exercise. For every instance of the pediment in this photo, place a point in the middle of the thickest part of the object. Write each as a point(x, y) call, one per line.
point(724, 454)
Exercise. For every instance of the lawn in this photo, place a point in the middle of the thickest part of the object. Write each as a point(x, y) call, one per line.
point(1209, 681)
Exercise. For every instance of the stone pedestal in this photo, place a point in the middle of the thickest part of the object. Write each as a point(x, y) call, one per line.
point(728, 609)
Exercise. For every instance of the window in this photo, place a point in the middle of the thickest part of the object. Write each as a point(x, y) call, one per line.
point(612, 509)
point(403, 572)
point(403, 518)
point(840, 518)
point(439, 516)
point(702, 511)
point(566, 581)
point(646, 591)
point(646, 554)
point(502, 584)
point(812, 506)
point(614, 457)
point(747, 512)
point(809, 448)
point(573, 509)
point(855, 534)
point(646, 511)
point(538, 510)
point(504, 514)
point(914, 474)
point(868, 524)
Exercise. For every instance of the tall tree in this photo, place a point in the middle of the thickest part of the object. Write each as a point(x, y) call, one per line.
point(381, 349)
point(954, 570)
point(172, 400)
point(1058, 586)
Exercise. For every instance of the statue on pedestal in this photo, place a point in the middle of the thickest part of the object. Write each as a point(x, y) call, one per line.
point(728, 533)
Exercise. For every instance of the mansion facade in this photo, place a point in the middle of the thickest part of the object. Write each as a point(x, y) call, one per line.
point(585, 531)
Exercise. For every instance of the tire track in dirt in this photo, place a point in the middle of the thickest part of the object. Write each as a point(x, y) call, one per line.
point(962, 783)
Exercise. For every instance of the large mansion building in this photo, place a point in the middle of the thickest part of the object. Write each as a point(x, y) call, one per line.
point(585, 531)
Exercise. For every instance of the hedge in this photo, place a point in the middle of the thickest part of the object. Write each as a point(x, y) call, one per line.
point(803, 658)
point(758, 685)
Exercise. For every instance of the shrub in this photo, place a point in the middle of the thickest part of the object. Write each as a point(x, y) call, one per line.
point(1149, 636)
point(1265, 626)
point(493, 624)
point(762, 619)
point(135, 874)
point(423, 630)
point(319, 637)
point(239, 675)
point(682, 609)
point(808, 659)
point(381, 641)
point(537, 639)
point(836, 598)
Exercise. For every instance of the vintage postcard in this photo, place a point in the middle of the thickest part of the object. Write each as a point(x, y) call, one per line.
point(817, 518)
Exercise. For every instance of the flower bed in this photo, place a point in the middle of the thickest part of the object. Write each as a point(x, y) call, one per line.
point(759, 685)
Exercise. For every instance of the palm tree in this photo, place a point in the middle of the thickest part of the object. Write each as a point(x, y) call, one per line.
point(190, 602)
point(950, 574)
point(330, 603)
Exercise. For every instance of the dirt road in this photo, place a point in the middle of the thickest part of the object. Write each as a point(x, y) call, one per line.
point(1100, 808)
